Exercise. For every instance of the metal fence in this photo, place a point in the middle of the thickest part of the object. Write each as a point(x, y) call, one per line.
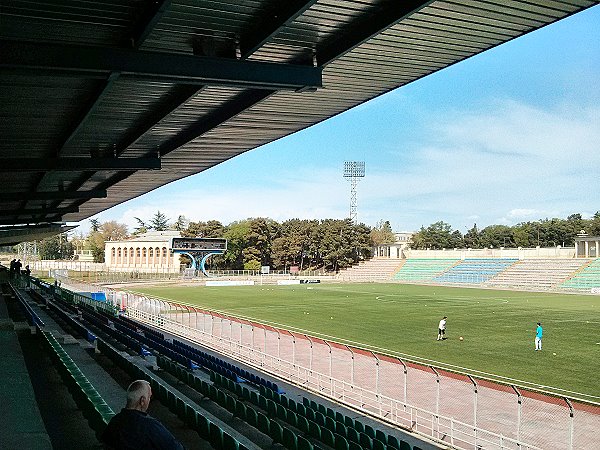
point(457, 409)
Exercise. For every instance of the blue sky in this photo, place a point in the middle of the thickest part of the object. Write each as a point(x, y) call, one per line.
point(507, 136)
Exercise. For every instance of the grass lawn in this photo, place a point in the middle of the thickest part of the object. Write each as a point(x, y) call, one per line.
point(498, 326)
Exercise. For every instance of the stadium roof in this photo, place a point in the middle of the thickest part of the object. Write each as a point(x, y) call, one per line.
point(96, 97)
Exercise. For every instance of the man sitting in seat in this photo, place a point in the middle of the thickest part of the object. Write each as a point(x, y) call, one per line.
point(133, 428)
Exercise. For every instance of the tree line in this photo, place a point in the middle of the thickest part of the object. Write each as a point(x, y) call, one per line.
point(331, 244)
point(543, 233)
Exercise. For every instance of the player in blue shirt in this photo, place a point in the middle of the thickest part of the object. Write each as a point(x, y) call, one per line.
point(538, 336)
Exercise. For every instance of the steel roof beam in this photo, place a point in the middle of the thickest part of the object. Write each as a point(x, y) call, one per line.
point(221, 115)
point(150, 18)
point(54, 195)
point(77, 164)
point(271, 24)
point(157, 66)
point(38, 212)
point(388, 14)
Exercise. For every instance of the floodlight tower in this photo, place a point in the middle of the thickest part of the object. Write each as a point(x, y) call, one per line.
point(353, 170)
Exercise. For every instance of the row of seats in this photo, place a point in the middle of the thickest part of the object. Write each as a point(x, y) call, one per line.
point(354, 430)
point(207, 430)
point(93, 406)
point(474, 271)
point(32, 318)
point(332, 428)
point(423, 269)
point(230, 370)
point(586, 279)
point(239, 408)
point(138, 325)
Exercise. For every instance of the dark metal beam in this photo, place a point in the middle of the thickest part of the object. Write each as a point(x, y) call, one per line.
point(221, 115)
point(77, 164)
point(38, 212)
point(388, 14)
point(151, 17)
point(177, 68)
point(272, 23)
point(87, 111)
point(54, 195)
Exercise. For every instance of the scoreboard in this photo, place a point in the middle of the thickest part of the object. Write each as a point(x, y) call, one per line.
point(198, 244)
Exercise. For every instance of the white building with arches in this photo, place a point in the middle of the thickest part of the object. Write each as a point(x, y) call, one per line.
point(148, 252)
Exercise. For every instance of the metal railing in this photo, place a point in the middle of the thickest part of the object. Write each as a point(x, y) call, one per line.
point(464, 410)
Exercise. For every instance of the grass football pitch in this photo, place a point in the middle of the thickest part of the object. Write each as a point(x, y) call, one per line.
point(498, 327)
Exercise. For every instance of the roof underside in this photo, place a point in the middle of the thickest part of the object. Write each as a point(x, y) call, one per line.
point(96, 96)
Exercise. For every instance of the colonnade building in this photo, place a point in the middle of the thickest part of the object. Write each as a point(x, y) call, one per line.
point(146, 252)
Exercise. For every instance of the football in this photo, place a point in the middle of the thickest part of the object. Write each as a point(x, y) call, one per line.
point(461, 338)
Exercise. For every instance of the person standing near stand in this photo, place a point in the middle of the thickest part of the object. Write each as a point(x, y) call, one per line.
point(442, 329)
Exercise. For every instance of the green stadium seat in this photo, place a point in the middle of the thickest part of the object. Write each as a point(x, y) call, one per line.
point(327, 437)
point(262, 402)
point(314, 405)
point(311, 414)
point(302, 424)
point(216, 437)
point(378, 445)
point(341, 443)
point(240, 410)
point(314, 430)
point(203, 429)
point(230, 404)
point(354, 446)
point(358, 426)
point(229, 443)
point(245, 393)
point(281, 413)
point(365, 441)
point(341, 429)
point(304, 444)
point(191, 418)
point(320, 419)
point(300, 410)
point(404, 445)
point(322, 409)
point(330, 424)
point(222, 399)
point(292, 405)
point(290, 440)
point(306, 402)
point(276, 432)
point(239, 391)
point(349, 421)
point(352, 435)
point(251, 417)
point(263, 423)
point(330, 413)
point(393, 442)
point(271, 409)
point(381, 436)
point(339, 417)
point(292, 418)
point(213, 393)
point(369, 431)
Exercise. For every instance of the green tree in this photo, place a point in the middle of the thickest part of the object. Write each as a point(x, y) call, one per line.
point(159, 222)
point(210, 229)
point(181, 224)
point(95, 224)
point(56, 247)
point(496, 236)
point(382, 233)
point(141, 227)
point(260, 236)
point(471, 238)
point(236, 235)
